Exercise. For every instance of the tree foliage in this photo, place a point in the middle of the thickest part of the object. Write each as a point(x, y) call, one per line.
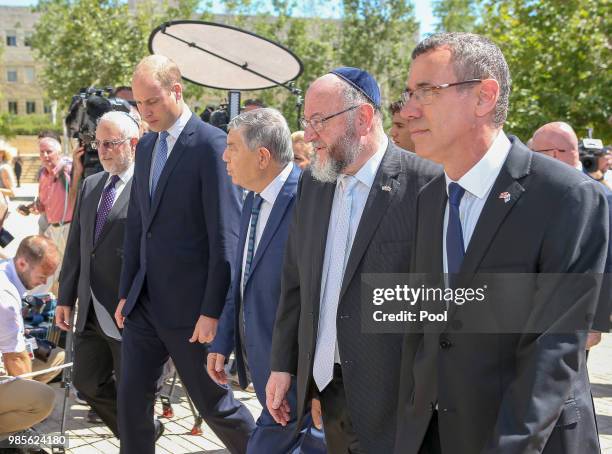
point(98, 42)
point(559, 52)
point(455, 15)
point(87, 43)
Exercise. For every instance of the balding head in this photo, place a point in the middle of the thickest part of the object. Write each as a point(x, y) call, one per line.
point(558, 140)
point(158, 92)
point(36, 259)
point(161, 68)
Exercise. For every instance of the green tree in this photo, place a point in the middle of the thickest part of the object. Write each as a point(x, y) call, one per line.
point(87, 43)
point(559, 54)
point(455, 15)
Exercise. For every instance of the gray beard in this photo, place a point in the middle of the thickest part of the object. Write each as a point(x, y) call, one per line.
point(329, 170)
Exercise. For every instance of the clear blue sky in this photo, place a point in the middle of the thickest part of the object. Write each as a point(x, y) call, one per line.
point(422, 9)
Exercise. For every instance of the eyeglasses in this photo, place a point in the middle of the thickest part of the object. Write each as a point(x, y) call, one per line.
point(549, 149)
point(108, 144)
point(317, 122)
point(424, 95)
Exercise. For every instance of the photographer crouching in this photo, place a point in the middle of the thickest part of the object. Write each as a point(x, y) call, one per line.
point(25, 402)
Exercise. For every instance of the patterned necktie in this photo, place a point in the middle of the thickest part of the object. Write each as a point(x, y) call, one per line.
point(323, 368)
point(454, 234)
point(106, 203)
point(257, 200)
point(159, 160)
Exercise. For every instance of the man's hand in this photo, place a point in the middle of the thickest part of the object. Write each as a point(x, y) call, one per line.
point(77, 164)
point(205, 330)
point(215, 364)
point(593, 338)
point(317, 414)
point(276, 401)
point(63, 315)
point(119, 318)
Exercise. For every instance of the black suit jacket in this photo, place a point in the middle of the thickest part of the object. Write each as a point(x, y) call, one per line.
point(509, 393)
point(382, 244)
point(180, 244)
point(93, 267)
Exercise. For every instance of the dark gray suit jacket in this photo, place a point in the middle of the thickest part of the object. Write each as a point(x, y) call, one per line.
point(88, 266)
point(382, 244)
point(509, 393)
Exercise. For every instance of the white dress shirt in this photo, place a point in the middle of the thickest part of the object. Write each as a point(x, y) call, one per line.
point(477, 182)
point(365, 178)
point(268, 195)
point(11, 321)
point(174, 132)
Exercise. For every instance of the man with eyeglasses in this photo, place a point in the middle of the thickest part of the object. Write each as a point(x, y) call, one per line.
point(91, 270)
point(498, 208)
point(353, 215)
point(559, 141)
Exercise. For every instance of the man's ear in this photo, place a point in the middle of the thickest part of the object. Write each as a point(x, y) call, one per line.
point(178, 91)
point(488, 95)
point(365, 119)
point(21, 264)
point(264, 157)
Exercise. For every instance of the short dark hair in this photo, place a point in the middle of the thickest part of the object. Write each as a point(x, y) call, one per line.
point(121, 88)
point(474, 57)
point(254, 102)
point(395, 107)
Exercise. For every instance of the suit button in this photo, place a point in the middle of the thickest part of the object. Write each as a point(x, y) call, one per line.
point(344, 316)
point(149, 235)
point(445, 343)
point(93, 255)
point(308, 355)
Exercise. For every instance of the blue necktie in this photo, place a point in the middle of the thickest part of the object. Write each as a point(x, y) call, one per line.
point(257, 200)
point(454, 234)
point(159, 160)
point(106, 204)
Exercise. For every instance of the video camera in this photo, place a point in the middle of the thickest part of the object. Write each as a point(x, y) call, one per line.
point(590, 151)
point(82, 119)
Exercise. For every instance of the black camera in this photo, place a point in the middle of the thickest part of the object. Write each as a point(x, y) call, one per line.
point(5, 237)
point(590, 151)
point(82, 119)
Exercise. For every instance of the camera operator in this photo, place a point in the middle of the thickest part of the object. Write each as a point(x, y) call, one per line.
point(93, 265)
point(37, 258)
point(559, 141)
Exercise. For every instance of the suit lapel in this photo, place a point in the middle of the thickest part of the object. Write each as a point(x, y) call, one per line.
point(323, 200)
point(284, 198)
point(146, 172)
point(89, 218)
point(496, 208)
point(434, 229)
point(175, 156)
point(376, 205)
point(118, 207)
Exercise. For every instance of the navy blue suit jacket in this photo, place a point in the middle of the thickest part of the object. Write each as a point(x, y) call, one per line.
point(180, 243)
point(261, 292)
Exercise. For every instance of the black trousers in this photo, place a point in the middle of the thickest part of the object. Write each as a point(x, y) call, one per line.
point(146, 347)
point(97, 368)
point(339, 434)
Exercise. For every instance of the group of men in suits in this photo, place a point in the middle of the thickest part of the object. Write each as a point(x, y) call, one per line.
point(279, 282)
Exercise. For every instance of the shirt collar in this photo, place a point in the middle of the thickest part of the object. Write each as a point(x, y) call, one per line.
point(367, 173)
point(479, 180)
point(270, 193)
point(123, 176)
point(175, 130)
point(11, 274)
